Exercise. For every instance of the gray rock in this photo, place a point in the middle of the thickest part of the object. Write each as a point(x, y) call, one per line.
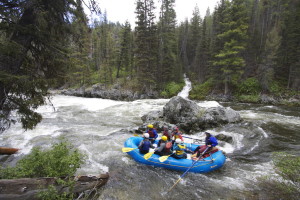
point(156, 115)
point(190, 117)
point(224, 138)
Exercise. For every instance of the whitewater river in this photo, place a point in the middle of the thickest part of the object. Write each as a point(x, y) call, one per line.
point(99, 127)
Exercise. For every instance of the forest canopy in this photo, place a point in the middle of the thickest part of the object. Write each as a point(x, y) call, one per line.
point(242, 48)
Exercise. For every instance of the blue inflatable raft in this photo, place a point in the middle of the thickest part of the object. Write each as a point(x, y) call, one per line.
point(213, 162)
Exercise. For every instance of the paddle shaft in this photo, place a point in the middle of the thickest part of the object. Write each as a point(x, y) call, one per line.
point(192, 138)
point(188, 169)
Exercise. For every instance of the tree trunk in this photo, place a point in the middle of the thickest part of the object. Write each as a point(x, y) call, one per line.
point(28, 188)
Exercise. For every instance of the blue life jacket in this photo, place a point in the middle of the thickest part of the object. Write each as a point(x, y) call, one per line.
point(146, 145)
point(211, 141)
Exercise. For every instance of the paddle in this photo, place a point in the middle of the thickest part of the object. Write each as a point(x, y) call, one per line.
point(127, 149)
point(188, 169)
point(193, 138)
point(164, 158)
point(148, 155)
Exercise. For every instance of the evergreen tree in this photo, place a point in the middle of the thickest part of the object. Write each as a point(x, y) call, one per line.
point(194, 38)
point(125, 53)
point(217, 43)
point(146, 53)
point(182, 45)
point(79, 71)
point(288, 60)
point(34, 36)
point(202, 54)
point(230, 57)
point(167, 43)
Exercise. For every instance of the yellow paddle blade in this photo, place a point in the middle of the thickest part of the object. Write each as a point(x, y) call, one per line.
point(127, 149)
point(163, 158)
point(148, 155)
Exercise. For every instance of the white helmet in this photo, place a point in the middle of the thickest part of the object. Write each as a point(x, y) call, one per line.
point(146, 135)
point(178, 140)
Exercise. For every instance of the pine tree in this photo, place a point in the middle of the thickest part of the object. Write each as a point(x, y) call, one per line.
point(125, 53)
point(230, 57)
point(182, 45)
point(202, 54)
point(167, 43)
point(288, 60)
point(194, 38)
point(146, 53)
point(80, 70)
point(34, 37)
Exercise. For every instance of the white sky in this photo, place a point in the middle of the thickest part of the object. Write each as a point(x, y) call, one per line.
point(122, 10)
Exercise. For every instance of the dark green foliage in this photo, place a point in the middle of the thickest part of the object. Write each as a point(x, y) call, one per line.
point(229, 59)
point(167, 44)
point(249, 87)
point(52, 194)
point(124, 63)
point(146, 43)
point(59, 161)
point(46, 44)
point(288, 58)
point(200, 91)
point(172, 89)
point(33, 54)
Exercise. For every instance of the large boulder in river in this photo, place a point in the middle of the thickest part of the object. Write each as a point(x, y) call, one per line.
point(191, 117)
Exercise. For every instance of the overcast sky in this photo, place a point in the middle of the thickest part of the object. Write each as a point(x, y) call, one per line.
point(122, 10)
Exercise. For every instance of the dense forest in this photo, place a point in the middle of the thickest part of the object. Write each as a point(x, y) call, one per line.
point(243, 48)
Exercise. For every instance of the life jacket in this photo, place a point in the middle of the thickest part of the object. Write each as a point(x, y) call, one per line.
point(151, 133)
point(166, 133)
point(168, 147)
point(146, 145)
point(181, 151)
point(177, 135)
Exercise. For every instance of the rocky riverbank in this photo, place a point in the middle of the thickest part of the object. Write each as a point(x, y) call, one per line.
point(117, 93)
point(113, 93)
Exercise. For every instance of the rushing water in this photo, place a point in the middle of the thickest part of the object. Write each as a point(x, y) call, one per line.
point(186, 89)
point(99, 127)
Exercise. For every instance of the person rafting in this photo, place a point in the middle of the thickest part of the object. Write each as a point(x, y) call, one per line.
point(210, 146)
point(145, 144)
point(152, 133)
point(179, 149)
point(210, 141)
point(167, 133)
point(164, 146)
point(176, 134)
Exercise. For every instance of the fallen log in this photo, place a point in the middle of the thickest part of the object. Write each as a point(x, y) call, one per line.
point(8, 150)
point(28, 188)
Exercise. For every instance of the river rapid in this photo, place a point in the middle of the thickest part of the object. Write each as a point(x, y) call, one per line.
point(99, 128)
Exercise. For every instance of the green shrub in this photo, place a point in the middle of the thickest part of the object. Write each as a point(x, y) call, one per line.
point(172, 89)
point(200, 91)
point(250, 86)
point(52, 193)
point(276, 88)
point(60, 160)
point(248, 98)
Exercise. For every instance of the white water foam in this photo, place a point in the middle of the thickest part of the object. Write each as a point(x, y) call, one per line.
point(90, 104)
point(208, 104)
point(263, 132)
